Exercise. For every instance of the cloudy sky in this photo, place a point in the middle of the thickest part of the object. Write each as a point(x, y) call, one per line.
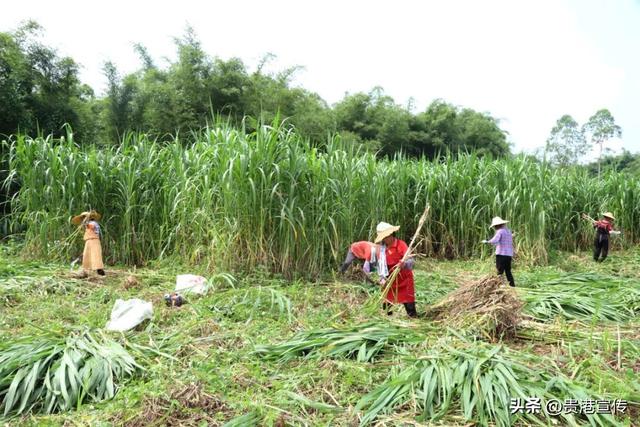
point(526, 63)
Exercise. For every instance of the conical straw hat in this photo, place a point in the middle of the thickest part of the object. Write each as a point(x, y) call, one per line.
point(76, 220)
point(385, 229)
point(497, 221)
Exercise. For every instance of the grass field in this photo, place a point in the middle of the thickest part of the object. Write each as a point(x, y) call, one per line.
point(260, 350)
point(293, 207)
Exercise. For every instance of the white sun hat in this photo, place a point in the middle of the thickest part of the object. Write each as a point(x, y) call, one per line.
point(497, 221)
point(385, 229)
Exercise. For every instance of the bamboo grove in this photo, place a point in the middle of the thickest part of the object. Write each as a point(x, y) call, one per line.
point(237, 200)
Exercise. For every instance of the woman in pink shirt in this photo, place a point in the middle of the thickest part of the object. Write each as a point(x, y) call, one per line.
point(503, 241)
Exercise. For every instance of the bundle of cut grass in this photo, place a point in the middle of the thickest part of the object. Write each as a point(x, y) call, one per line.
point(53, 373)
point(576, 303)
point(252, 418)
point(479, 380)
point(362, 342)
point(488, 307)
point(354, 273)
point(130, 282)
point(582, 296)
point(187, 405)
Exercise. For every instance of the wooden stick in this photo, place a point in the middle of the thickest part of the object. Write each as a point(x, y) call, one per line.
point(407, 254)
point(585, 216)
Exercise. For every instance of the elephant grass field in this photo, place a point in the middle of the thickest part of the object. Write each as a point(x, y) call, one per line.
point(237, 200)
point(279, 339)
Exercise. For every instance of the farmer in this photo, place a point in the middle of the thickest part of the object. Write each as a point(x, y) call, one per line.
point(364, 251)
point(503, 241)
point(402, 289)
point(604, 228)
point(92, 255)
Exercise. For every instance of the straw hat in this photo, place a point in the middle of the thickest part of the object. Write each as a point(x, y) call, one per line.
point(497, 221)
point(76, 220)
point(608, 215)
point(385, 229)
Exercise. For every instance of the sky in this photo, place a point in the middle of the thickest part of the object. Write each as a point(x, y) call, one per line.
point(525, 63)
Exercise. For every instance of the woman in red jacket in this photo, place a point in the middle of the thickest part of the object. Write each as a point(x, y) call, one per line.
point(402, 290)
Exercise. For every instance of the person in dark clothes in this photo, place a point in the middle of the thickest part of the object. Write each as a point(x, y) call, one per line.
point(503, 241)
point(604, 228)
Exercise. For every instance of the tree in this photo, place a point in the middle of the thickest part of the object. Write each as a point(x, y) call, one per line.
point(602, 127)
point(439, 130)
point(376, 119)
point(120, 92)
point(312, 117)
point(41, 91)
point(624, 162)
point(481, 133)
point(15, 77)
point(189, 78)
point(566, 144)
point(445, 128)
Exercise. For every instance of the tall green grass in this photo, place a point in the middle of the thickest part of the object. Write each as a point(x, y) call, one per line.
point(238, 200)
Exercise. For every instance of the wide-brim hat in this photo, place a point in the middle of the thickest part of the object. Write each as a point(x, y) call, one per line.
point(609, 215)
point(76, 220)
point(497, 221)
point(385, 229)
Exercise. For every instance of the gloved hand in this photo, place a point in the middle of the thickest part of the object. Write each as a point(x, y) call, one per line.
point(615, 232)
point(366, 267)
point(408, 264)
point(484, 241)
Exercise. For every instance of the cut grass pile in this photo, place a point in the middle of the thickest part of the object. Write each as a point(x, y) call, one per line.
point(188, 405)
point(51, 373)
point(13, 289)
point(488, 307)
point(476, 381)
point(583, 297)
point(362, 343)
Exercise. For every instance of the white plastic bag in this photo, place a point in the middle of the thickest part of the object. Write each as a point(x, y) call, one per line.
point(186, 283)
point(129, 314)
